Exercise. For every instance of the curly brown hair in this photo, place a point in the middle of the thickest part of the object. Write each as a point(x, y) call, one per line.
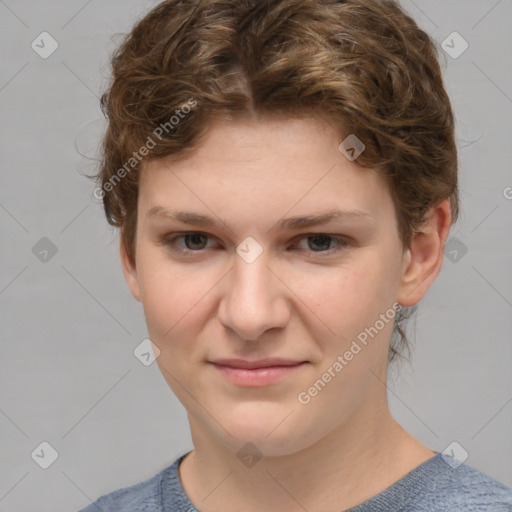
point(363, 64)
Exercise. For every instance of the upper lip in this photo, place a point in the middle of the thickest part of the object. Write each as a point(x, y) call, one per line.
point(260, 363)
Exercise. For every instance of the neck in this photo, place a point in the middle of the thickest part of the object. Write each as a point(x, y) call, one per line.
point(354, 462)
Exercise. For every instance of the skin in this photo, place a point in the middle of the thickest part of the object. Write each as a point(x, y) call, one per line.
point(302, 299)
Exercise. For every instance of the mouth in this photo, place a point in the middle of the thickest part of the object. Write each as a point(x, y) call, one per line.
point(257, 373)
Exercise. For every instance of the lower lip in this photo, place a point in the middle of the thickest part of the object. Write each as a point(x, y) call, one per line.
point(257, 377)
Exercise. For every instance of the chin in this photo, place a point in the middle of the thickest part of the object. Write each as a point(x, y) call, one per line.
point(267, 437)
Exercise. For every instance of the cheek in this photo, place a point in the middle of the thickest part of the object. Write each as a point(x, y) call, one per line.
point(345, 297)
point(174, 307)
point(347, 301)
point(171, 297)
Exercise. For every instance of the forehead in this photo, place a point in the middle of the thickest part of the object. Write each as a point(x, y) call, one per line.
point(275, 164)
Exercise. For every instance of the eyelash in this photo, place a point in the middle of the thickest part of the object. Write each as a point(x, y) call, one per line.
point(342, 242)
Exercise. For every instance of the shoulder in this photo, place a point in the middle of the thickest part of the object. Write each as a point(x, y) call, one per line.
point(455, 486)
point(144, 496)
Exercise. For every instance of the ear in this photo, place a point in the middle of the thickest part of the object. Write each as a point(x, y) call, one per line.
point(423, 260)
point(130, 272)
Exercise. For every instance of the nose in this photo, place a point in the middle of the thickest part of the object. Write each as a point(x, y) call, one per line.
point(254, 299)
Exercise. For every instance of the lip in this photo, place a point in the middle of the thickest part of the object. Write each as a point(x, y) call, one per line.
point(258, 363)
point(263, 372)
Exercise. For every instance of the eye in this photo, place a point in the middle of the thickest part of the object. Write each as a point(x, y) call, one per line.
point(321, 243)
point(194, 242)
point(191, 243)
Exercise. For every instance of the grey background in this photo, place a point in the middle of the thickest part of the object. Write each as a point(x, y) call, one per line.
point(69, 324)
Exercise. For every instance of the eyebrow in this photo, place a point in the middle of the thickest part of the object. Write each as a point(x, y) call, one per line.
point(289, 223)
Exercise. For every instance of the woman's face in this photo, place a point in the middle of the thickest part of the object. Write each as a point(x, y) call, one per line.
point(254, 285)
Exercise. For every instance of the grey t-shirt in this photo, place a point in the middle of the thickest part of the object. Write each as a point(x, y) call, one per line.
point(440, 484)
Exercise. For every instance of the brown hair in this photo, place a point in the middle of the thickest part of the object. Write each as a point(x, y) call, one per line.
point(363, 64)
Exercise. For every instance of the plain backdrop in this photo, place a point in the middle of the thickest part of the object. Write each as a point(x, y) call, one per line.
point(69, 326)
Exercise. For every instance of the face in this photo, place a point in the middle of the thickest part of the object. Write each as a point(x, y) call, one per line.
point(251, 284)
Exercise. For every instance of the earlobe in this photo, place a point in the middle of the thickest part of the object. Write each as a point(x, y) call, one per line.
point(424, 259)
point(130, 272)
